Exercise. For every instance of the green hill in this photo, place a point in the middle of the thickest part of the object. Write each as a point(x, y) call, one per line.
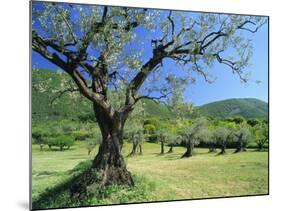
point(70, 105)
point(157, 109)
point(73, 106)
point(246, 107)
point(67, 106)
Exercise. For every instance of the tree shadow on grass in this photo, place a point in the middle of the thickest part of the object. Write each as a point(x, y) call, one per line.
point(68, 194)
point(47, 173)
point(65, 193)
point(173, 157)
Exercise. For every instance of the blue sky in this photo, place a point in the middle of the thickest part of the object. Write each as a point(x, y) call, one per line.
point(226, 84)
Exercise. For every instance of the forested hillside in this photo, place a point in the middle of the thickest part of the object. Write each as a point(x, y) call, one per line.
point(246, 107)
point(60, 104)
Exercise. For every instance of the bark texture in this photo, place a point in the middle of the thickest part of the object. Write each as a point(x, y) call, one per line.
point(222, 152)
point(170, 149)
point(162, 148)
point(189, 149)
point(134, 149)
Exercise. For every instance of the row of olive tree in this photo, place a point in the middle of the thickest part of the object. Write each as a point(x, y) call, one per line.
point(200, 131)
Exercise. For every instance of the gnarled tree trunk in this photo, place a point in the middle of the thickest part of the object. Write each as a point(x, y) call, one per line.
point(134, 149)
point(109, 158)
point(108, 167)
point(189, 149)
point(171, 149)
point(240, 146)
point(212, 148)
point(162, 148)
point(140, 149)
point(223, 146)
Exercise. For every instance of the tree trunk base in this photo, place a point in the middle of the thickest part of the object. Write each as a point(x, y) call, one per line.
point(221, 153)
point(240, 150)
point(106, 170)
point(90, 182)
point(186, 155)
point(170, 150)
point(212, 150)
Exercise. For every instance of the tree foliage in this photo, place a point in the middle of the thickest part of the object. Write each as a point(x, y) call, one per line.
point(222, 136)
point(95, 40)
point(261, 135)
point(242, 137)
point(192, 135)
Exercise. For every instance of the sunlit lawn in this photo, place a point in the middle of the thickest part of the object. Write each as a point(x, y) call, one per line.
point(203, 175)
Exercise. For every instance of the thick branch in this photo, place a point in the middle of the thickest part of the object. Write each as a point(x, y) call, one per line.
point(40, 47)
point(155, 99)
point(172, 23)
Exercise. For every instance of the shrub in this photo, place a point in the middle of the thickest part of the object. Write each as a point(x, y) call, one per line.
point(261, 135)
point(236, 119)
point(253, 122)
point(61, 141)
point(82, 136)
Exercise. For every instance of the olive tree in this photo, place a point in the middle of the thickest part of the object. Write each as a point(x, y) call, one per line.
point(134, 129)
point(261, 135)
point(136, 137)
point(206, 136)
point(191, 135)
point(242, 137)
point(223, 135)
point(99, 46)
point(172, 140)
point(162, 137)
point(175, 100)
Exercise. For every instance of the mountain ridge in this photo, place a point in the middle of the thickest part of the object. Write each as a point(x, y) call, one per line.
point(246, 107)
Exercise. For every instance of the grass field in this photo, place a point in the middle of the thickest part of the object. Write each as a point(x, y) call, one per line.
point(161, 177)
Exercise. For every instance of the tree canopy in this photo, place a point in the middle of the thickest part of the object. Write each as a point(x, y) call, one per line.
point(128, 47)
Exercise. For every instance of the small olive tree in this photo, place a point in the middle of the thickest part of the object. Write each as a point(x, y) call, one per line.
point(241, 139)
point(261, 135)
point(191, 135)
point(136, 137)
point(206, 137)
point(222, 136)
point(162, 137)
point(172, 140)
point(134, 129)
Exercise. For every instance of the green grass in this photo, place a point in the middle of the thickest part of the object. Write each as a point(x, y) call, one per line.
point(159, 177)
